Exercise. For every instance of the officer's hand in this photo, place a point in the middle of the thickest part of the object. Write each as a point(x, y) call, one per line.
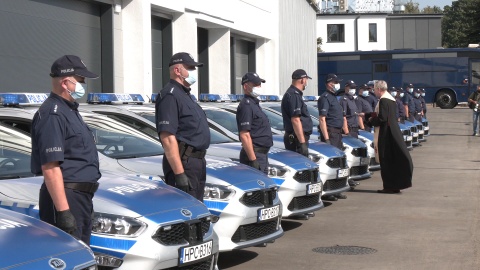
point(327, 141)
point(303, 149)
point(182, 182)
point(66, 221)
point(254, 164)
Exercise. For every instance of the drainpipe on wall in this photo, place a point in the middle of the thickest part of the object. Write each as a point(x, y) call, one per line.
point(356, 32)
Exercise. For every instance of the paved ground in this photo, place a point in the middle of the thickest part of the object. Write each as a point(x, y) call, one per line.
point(434, 225)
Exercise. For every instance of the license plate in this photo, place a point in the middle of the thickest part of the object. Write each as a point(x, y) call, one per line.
point(415, 134)
point(342, 173)
point(409, 138)
point(314, 188)
point(195, 253)
point(364, 161)
point(426, 128)
point(268, 213)
point(420, 132)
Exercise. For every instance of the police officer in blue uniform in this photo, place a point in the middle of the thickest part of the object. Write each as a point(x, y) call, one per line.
point(371, 98)
point(424, 104)
point(253, 125)
point(332, 117)
point(363, 106)
point(64, 151)
point(352, 113)
point(296, 118)
point(418, 105)
point(409, 104)
point(397, 93)
point(183, 128)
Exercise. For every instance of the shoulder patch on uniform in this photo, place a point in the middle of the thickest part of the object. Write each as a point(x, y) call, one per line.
point(171, 90)
point(248, 101)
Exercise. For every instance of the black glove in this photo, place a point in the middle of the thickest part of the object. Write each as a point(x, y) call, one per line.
point(254, 164)
point(303, 149)
point(66, 221)
point(182, 182)
point(327, 141)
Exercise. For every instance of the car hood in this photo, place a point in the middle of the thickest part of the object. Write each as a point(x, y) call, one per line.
point(353, 142)
point(327, 150)
point(219, 171)
point(289, 158)
point(44, 241)
point(367, 135)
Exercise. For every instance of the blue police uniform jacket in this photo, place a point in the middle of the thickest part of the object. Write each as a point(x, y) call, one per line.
point(418, 105)
point(424, 104)
point(351, 111)
point(293, 105)
point(363, 105)
point(330, 107)
point(250, 117)
point(400, 108)
point(60, 134)
point(178, 114)
point(372, 100)
point(408, 100)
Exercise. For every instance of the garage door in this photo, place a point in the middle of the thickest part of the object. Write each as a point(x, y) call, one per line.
point(33, 33)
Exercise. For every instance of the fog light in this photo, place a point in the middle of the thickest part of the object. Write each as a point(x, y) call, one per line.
point(108, 260)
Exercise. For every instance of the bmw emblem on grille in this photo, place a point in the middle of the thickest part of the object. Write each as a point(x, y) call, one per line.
point(338, 153)
point(308, 165)
point(261, 183)
point(186, 212)
point(56, 263)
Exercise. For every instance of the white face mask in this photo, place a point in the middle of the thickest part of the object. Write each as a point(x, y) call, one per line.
point(423, 94)
point(256, 91)
point(417, 95)
point(410, 90)
point(365, 93)
point(79, 90)
point(401, 94)
point(306, 85)
point(192, 76)
point(394, 94)
point(336, 87)
point(351, 92)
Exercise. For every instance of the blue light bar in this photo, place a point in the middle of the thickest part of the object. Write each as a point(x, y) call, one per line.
point(273, 98)
point(16, 99)
point(240, 96)
point(309, 98)
point(114, 98)
point(233, 97)
point(262, 98)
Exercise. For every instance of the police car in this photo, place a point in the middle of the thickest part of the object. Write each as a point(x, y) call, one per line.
point(127, 226)
point(128, 149)
point(28, 243)
point(415, 133)
point(367, 138)
point(332, 163)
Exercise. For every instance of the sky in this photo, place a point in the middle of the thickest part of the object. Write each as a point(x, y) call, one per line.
point(439, 3)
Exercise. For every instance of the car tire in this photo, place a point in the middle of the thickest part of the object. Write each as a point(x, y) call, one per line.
point(445, 99)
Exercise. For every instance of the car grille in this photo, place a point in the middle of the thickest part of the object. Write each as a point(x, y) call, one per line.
point(358, 170)
point(373, 162)
point(338, 162)
point(179, 233)
point(303, 202)
point(335, 184)
point(360, 152)
point(413, 129)
point(264, 197)
point(204, 265)
point(425, 124)
point(406, 132)
point(254, 231)
point(408, 143)
point(307, 176)
point(414, 139)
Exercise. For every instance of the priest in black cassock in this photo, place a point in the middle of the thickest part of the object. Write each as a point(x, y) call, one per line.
point(391, 151)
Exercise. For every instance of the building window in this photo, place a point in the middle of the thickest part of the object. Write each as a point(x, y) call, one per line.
point(372, 32)
point(336, 32)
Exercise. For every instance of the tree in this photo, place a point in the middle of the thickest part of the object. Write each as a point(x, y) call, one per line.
point(411, 7)
point(460, 24)
point(319, 44)
point(432, 10)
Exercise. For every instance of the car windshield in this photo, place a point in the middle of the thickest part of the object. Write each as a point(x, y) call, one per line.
point(15, 149)
point(312, 110)
point(223, 118)
point(119, 140)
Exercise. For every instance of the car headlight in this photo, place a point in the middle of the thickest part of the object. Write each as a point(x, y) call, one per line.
point(276, 171)
point(117, 225)
point(372, 145)
point(314, 157)
point(217, 192)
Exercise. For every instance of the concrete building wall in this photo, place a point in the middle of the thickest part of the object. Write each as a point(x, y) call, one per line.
point(364, 43)
point(414, 31)
point(350, 35)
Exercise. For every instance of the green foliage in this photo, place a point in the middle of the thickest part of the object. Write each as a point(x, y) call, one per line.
point(411, 7)
point(319, 44)
point(461, 24)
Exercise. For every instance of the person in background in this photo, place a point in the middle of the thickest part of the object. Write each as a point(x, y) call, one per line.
point(364, 105)
point(424, 104)
point(474, 104)
point(409, 104)
point(398, 95)
point(354, 122)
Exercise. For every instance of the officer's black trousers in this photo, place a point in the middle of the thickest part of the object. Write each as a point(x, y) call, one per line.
point(353, 132)
point(411, 117)
point(294, 144)
point(418, 117)
point(81, 206)
point(261, 158)
point(335, 136)
point(196, 171)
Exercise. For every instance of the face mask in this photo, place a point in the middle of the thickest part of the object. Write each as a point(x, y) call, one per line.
point(410, 90)
point(401, 94)
point(417, 95)
point(192, 76)
point(394, 94)
point(256, 91)
point(336, 87)
point(351, 92)
point(423, 94)
point(79, 90)
point(365, 93)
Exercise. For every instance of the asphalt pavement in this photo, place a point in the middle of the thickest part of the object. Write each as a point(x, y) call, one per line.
point(433, 225)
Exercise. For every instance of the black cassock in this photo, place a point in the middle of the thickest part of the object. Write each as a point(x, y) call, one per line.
point(395, 161)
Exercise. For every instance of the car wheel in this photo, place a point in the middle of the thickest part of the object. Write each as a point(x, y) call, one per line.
point(446, 99)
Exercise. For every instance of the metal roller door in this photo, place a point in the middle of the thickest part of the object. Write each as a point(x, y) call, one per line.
point(33, 33)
